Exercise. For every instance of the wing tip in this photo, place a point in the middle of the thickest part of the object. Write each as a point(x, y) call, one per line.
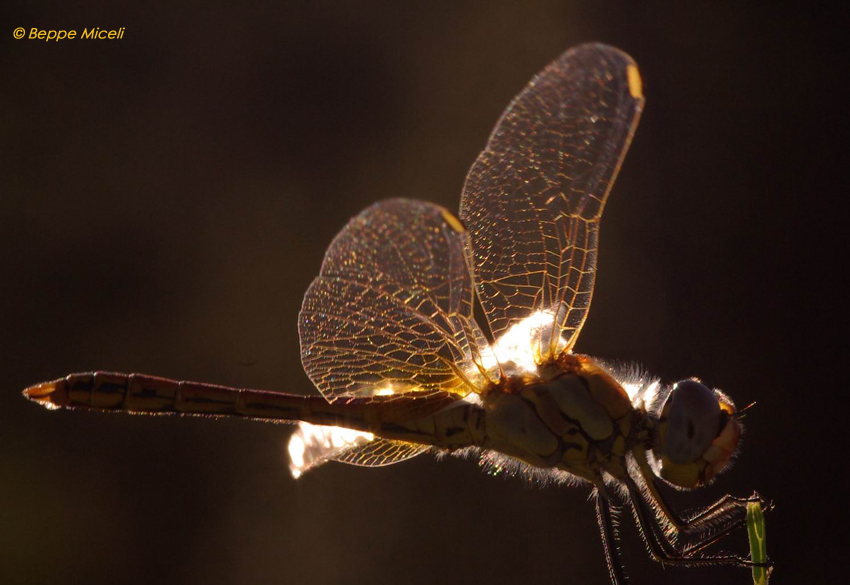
point(632, 74)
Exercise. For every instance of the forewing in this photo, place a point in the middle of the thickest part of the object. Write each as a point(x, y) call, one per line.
point(390, 313)
point(533, 199)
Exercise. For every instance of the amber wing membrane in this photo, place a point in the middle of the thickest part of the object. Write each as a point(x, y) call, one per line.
point(533, 199)
point(313, 445)
point(379, 452)
point(390, 313)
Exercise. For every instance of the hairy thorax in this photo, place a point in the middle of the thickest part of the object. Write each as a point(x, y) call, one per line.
point(570, 415)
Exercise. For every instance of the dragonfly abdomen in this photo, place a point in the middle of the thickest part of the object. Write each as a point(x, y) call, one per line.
point(455, 426)
point(143, 394)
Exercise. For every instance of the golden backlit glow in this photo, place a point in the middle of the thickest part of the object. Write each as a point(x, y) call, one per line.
point(519, 348)
point(639, 391)
point(312, 445)
point(386, 390)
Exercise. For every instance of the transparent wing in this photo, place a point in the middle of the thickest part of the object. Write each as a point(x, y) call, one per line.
point(379, 452)
point(533, 199)
point(390, 313)
point(313, 445)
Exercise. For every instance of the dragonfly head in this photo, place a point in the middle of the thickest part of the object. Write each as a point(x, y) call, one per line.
point(697, 435)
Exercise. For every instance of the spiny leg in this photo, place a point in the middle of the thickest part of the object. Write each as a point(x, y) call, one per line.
point(691, 549)
point(716, 536)
point(663, 551)
point(717, 514)
point(727, 511)
point(609, 538)
point(653, 529)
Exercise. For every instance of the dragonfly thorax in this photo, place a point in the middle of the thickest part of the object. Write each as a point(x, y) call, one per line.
point(573, 416)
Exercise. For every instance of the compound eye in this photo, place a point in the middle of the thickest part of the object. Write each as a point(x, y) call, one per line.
point(693, 421)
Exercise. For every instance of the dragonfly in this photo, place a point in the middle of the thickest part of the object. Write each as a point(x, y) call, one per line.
point(389, 334)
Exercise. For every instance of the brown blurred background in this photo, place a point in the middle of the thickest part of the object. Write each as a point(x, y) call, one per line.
point(166, 200)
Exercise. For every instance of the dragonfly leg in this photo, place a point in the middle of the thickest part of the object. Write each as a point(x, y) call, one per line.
point(665, 552)
point(608, 530)
point(727, 511)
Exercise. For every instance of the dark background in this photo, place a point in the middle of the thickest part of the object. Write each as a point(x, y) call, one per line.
point(166, 200)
